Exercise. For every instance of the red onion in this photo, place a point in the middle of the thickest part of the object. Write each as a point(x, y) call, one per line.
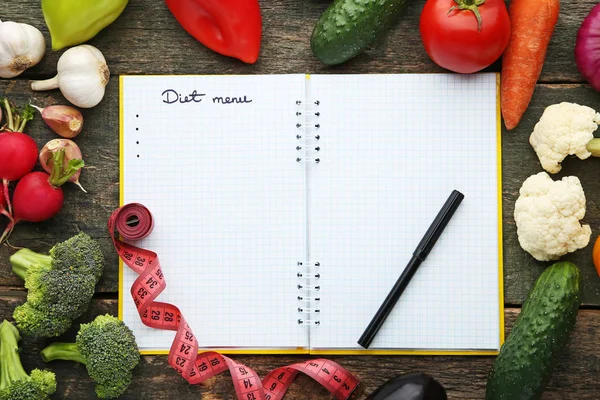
point(587, 48)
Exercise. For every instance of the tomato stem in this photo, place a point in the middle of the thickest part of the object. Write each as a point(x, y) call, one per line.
point(470, 5)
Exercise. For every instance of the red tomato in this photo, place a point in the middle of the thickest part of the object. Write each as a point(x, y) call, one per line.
point(455, 41)
point(596, 255)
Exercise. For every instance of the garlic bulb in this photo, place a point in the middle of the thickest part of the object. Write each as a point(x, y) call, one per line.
point(21, 46)
point(82, 76)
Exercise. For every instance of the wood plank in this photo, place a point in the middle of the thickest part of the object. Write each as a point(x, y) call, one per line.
point(147, 39)
point(575, 375)
point(99, 143)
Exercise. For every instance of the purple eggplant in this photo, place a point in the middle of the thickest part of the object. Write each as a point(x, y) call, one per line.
point(413, 386)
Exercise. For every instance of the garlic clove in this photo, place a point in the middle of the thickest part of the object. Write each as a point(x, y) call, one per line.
point(72, 152)
point(82, 76)
point(65, 121)
point(21, 46)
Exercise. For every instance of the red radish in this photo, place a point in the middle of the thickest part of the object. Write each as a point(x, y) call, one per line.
point(3, 209)
point(18, 154)
point(72, 152)
point(39, 196)
point(36, 199)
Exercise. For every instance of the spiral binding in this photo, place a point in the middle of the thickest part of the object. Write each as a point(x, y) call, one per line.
point(308, 147)
point(308, 296)
point(307, 131)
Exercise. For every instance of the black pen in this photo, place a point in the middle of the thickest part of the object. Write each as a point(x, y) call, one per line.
point(423, 249)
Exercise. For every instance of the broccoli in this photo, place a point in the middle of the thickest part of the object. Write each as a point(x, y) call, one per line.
point(109, 351)
point(15, 384)
point(60, 285)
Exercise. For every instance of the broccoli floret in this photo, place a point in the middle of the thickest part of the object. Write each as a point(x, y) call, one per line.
point(15, 384)
point(109, 351)
point(38, 323)
point(60, 285)
point(80, 252)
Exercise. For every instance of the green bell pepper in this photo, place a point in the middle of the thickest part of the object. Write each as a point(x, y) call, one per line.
point(72, 22)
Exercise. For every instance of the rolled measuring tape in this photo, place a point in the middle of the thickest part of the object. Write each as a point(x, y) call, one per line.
point(134, 222)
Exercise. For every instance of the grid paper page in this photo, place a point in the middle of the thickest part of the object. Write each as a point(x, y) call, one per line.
point(228, 198)
point(393, 147)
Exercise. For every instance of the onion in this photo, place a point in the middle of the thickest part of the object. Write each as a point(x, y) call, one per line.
point(72, 152)
point(65, 121)
point(587, 48)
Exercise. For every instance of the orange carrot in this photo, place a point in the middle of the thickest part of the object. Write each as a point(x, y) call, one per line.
point(532, 25)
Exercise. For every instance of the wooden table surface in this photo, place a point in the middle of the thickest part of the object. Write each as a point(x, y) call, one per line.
point(146, 39)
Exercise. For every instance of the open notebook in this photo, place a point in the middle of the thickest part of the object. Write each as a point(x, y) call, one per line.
point(286, 206)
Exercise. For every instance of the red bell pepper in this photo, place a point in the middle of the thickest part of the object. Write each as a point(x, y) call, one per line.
point(229, 27)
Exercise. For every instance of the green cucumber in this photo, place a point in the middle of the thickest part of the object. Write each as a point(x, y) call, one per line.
point(348, 27)
point(540, 333)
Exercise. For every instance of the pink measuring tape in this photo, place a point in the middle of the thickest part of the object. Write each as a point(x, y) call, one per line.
point(183, 355)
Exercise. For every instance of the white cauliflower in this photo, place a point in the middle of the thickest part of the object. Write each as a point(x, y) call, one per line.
point(564, 129)
point(547, 214)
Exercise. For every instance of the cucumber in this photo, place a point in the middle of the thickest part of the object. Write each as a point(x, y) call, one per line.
point(540, 333)
point(348, 27)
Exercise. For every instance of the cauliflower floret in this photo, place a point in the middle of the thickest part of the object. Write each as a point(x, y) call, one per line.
point(547, 214)
point(564, 129)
